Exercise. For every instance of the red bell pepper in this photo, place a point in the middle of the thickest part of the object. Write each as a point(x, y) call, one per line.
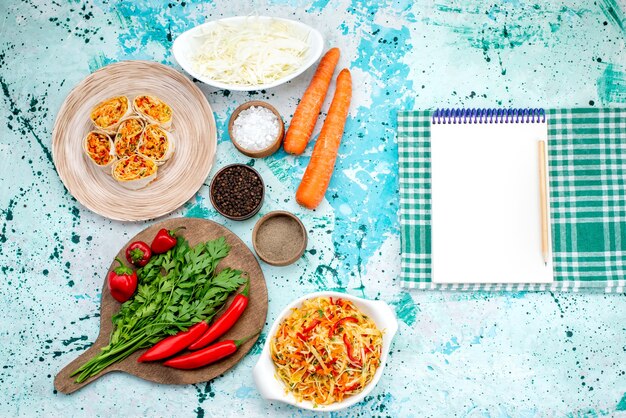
point(138, 253)
point(304, 336)
point(225, 321)
point(164, 240)
point(353, 359)
point(352, 387)
point(328, 363)
point(332, 329)
point(174, 343)
point(312, 326)
point(208, 355)
point(122, 282)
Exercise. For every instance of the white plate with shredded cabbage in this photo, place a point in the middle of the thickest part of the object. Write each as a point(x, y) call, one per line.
point(248, 52)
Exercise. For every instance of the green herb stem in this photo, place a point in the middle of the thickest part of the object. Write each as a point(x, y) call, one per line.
point(176, 290)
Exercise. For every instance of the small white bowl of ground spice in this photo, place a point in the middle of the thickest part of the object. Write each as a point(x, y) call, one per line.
point(256, 129)
point(279, 238)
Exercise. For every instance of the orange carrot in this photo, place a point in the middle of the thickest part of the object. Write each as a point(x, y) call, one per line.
point(320, 169)
point(305, 116)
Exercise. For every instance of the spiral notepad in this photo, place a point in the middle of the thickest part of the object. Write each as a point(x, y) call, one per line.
point(586, 149)
point(486, 217)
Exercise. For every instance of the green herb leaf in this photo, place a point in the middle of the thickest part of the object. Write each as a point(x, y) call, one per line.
point(175, 290)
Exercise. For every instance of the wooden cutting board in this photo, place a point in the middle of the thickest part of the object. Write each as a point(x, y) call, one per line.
point(253, 319)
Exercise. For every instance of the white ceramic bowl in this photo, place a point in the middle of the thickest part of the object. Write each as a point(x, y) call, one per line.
point(273, 389)
point(187, 44)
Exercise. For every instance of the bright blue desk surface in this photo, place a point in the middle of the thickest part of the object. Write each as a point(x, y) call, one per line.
point(457, 354)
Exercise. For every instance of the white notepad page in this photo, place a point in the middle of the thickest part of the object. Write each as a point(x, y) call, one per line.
point(486, 218)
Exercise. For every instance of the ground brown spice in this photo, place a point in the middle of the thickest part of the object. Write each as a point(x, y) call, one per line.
point(279, 238)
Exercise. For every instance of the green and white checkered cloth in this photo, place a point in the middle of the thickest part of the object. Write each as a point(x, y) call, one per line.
point(587, 162)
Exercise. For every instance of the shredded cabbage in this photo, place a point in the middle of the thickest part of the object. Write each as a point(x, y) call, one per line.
point(250, 53)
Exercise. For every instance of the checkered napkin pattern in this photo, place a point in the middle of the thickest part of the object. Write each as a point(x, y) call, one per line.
point(587, 165)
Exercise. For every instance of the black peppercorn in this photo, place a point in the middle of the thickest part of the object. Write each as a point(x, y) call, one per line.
point(237, 191)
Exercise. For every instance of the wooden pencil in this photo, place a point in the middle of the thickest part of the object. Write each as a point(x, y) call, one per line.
point(543, 201)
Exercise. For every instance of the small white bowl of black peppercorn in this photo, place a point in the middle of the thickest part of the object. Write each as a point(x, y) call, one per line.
point(237, 191)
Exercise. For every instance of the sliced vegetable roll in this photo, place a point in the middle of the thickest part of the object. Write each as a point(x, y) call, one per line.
point(128, 136)
point(98, 147)
point(154, 110)
point(108, 114)
point(134, 172)
point(156, 143)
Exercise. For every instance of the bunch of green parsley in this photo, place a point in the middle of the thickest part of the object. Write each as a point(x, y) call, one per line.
point(176, 290)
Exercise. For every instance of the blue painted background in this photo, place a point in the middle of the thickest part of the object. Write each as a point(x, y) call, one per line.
point(474, 354)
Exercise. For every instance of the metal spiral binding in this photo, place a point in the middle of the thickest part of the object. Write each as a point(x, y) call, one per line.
point(452, 116)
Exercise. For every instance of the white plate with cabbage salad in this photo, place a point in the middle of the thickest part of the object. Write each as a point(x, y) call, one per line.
point(326, 351)
point(247, 53)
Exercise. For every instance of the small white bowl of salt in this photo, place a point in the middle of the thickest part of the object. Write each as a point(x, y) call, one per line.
point(256, 129)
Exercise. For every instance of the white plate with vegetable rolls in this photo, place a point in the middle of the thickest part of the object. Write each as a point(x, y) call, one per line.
point(248, 52)
point(326, 351)
point(199, 279)
point(134, 140)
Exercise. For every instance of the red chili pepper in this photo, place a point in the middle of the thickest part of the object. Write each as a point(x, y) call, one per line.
point(302, 337)
point(208, 355)
point(353, 359)
point(331, 300)
point(164, 240)
point(138, 253)
point(310, 328)
point(122, 282)
point(174, 343)
point(225, 321)
point(332, 329)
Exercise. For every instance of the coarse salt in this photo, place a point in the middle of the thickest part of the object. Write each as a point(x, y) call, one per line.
point(255, 128)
